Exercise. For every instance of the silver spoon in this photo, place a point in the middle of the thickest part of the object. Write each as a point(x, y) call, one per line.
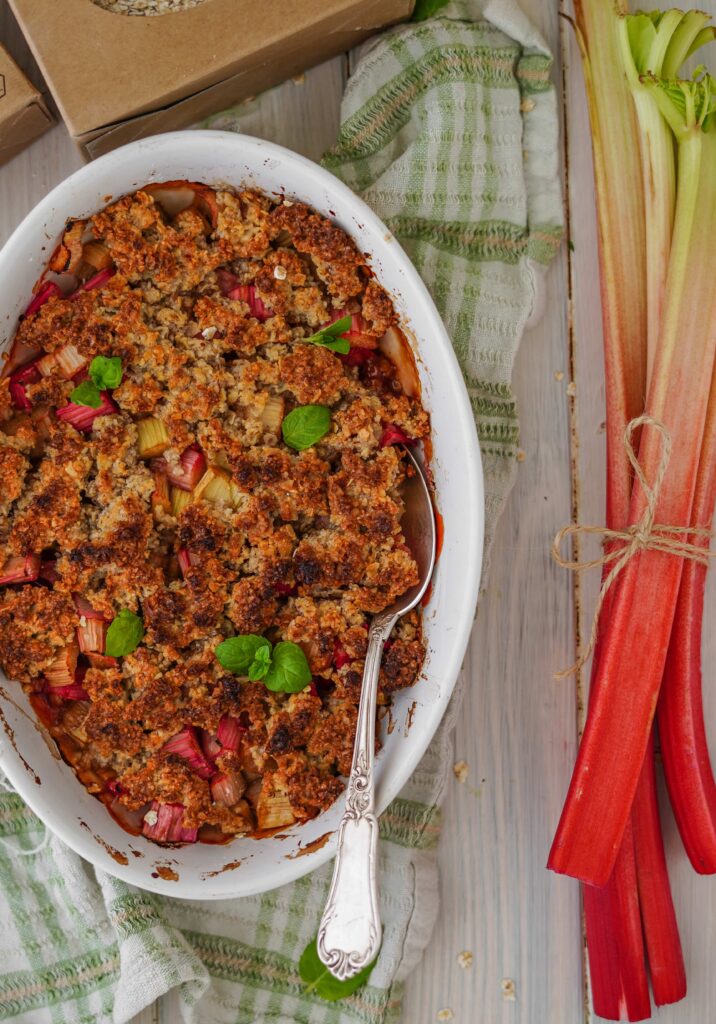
point(350, 931)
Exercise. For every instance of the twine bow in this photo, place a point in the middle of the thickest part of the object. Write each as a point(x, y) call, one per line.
point(644, 535)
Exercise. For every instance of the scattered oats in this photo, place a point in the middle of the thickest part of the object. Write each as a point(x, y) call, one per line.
point(209, 332)
point(520, 456)
point(287, 202)
point(299, 79)
point(460, 770)
point(508, 990)
point(464, 959)
point(527, 105)
point(559, 375)
point(151, 818)
point(146, 7)
point(571, 389)
point(279, 273)
point(446, 1014)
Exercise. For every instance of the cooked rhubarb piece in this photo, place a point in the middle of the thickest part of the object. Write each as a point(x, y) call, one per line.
point(272, 413)
point(85, 608)
point(273, 810)
point(357, 355)
point(163, 823)
point(210, 745)
point(20, 569)
point(153, 437)
point(392, 434)
point(357, 332)
point(97, 280)
point(18, 382)
point(70, 361)
point(217, 487)
point(192, 465)
point(62, 671)
point(91, 636)
point(180, 499)
point(45, 292)
point(227, 788)
point(186, 745)
point(73, 691)
point(83, 416)
point(247, 293)
point(229, 733)
point(161, 496)
point(227, 281)
point(47, 364)
point(186, 559)
point(96, 255)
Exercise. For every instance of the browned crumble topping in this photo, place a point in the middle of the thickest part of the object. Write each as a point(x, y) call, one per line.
point(300, 546)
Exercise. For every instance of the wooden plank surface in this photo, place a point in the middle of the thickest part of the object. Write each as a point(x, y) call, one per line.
point(518, 729)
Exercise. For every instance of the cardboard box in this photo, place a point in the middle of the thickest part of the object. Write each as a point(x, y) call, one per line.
point(117, 77)
point(23, 114)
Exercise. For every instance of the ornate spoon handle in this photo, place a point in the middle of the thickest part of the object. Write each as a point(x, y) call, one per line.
point(350, 931)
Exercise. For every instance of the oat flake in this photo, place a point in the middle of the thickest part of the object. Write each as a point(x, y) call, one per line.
point(446, 1014)
point(508, 990)
point(464, 959)
point(460, 770)
point(279, 273)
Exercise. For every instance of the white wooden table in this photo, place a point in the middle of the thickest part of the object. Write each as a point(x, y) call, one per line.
point(518, 730)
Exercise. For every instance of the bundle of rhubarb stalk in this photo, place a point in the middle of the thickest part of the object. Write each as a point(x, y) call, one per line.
point(654, 141)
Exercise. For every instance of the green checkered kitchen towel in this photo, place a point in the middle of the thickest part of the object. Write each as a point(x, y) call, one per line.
point(449, 131)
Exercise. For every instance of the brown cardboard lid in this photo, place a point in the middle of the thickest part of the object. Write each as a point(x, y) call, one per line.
point(104, 67)
point(23, 114)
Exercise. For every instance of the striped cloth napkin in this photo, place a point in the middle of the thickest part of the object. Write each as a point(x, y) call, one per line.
point(449, 131)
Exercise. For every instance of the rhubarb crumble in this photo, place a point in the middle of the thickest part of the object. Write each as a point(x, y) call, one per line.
point(202, 419)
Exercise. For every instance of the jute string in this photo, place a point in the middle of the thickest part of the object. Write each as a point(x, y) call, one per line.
point(644, 535)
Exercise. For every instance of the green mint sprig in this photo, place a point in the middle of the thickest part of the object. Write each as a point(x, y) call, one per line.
point(330, 337)
point(124, 634)
point(319, 979)
point(105, 373)
point(283, 668)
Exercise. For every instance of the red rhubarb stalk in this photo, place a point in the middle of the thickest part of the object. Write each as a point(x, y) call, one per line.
point(661, 931)
point(620, 988)
point(682, 731)
point(634, 644)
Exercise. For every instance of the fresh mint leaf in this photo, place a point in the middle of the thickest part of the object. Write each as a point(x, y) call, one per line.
point(124, 634)
point(319, 979)
point(305, 425)
point(330, 337)
point(106, 372)
point(239, 653)
point(261, 663)
point(86, 393)
point(289, 671)
point(427, 8)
